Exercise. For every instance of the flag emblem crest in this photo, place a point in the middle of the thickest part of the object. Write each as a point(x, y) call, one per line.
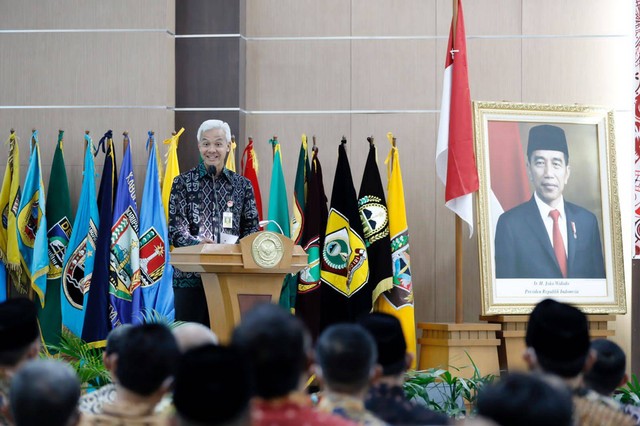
point(151, 258)
point(345, 265)
point(30, 216)
point(375, 220)
point(58, 236)
point(401, 271)
point(127, 273)
point(336, 252)
point(310, 276)
point(74, 283)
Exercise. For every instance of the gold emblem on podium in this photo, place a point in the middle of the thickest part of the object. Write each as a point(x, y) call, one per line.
point(267, 250)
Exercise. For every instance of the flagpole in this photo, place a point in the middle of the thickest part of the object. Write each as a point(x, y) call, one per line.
point(125, 142)
point(459, 257)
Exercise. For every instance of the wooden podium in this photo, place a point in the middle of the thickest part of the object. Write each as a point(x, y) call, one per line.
point(237, 276)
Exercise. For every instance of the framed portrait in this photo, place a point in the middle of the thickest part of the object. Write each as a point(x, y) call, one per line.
point(548, 210)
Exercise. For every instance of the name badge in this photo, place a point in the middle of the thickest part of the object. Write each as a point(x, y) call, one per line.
point(227, 220)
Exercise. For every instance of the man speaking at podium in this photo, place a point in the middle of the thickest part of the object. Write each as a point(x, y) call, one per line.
point(208, 204)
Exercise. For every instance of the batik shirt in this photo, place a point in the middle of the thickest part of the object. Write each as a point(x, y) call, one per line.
point(349, 408)
point(5, 383)
point(191, 211)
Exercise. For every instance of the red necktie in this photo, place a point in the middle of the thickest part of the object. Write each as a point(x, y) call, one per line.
point(558, 244)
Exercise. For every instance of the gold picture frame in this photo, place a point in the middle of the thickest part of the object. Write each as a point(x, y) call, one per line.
point(587, 183)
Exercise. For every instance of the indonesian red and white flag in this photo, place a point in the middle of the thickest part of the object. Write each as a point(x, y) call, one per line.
point(455, 159)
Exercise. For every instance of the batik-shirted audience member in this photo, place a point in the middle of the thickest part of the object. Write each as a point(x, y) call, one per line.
point(212, 374)
point(45, 391)
point(557, 342)
point(190, 335)
point(144, 371)
point(277, 348)
point(92, 402)
point(19, 342)
point(525, 400)
point(346, 364)
point(608, 373)
point(386, 397)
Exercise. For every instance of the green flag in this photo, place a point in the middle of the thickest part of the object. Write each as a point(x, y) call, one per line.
point(297, 221)
point(278, 215)
point(59, 220)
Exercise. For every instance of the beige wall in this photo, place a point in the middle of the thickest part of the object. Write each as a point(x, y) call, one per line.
point(330, 68)
point(86, 65)
point(366, 67)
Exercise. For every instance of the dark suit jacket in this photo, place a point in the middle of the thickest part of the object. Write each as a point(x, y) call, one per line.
point(523, 249)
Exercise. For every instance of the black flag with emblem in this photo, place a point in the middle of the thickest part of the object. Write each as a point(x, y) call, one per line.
point(345, 267)
point(375, 224)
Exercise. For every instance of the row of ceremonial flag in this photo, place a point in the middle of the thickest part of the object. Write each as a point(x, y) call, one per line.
point(105, 265)
point(109, 265)
point(358, 247)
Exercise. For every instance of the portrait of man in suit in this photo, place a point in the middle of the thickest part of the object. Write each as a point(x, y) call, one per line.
point(548, 236)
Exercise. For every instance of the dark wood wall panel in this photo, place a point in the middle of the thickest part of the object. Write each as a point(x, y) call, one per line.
point(208, 69)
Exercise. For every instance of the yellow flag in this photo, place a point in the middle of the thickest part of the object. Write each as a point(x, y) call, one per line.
point(9, 203)
point(231, 158)
point(399, 300)
point(172, 170)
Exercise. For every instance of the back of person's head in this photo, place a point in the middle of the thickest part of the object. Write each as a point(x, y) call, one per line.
point(147, 358)
point(525, 400)
point(559, 335)
point(275, 344)
point(386, 330)
point(44, 392)
point(191, 335)
point(115, 338)
point(212, 373)
point(19, 333)
point(608, 372)
point(346, 354)
point(214, 124)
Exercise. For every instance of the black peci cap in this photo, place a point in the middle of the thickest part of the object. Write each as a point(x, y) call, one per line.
point(547, 137)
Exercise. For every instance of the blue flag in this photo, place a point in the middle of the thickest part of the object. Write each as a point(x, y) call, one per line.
point(96, 320)
point(32, 225)
point(124, 261)
point(156, 274)
point(3, 282)
point(80, 254)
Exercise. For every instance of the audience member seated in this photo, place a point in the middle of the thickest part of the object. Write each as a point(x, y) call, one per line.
point(190, 335)
point(386, 397)
point(557, 342)
point(19, 342)
point(277, 348)
point(144, 371)
point(212, 387)
point(92, 402)
point(525, 400)
point(45, 392)
point(609, 373)
point(346, 363)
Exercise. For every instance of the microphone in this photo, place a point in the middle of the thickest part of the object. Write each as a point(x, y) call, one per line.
point(216, 220)
point(262, 224)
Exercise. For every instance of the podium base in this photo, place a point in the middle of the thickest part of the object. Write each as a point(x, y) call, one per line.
point(447, 345)
point(513, 329)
